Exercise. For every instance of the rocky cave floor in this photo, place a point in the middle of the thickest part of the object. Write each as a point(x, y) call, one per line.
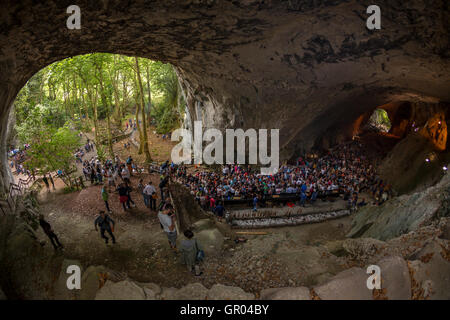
point(306, 255)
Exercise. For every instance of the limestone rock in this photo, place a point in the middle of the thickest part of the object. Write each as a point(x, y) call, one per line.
point(61, 292)
point(402, 214)
point(90, 282)
point(244, 58)
point(152, 286)
point(211, 240)
point(168, 293)
point(150, 294)
point(221, 292)
point(363, 247)
point(395, 278)
point(430, 274)
point(123, 290)
point(300, 293)
point(192, 291)
point(350, 284)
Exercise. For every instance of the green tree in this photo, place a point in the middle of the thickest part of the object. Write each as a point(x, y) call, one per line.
point(52, 150)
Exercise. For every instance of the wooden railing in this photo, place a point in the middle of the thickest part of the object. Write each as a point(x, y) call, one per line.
point(8, 200)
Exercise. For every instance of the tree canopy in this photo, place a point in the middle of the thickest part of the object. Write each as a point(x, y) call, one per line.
point(96, 93)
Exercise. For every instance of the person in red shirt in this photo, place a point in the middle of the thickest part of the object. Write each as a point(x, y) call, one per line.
point(212, 203)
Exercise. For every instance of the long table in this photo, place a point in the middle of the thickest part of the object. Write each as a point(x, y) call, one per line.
point(278, 198)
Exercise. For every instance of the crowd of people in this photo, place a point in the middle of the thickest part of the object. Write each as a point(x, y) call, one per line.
point(342, 171)
point(81, 152)
point(345, 171)
point(16, 157)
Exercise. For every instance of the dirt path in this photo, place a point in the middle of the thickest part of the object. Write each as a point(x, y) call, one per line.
point(284, 257)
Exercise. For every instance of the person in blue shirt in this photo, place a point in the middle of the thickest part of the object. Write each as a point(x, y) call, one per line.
point(106, 224)
point(219, 210)
point(304, 187)
point(302, 199)
point(255, 203)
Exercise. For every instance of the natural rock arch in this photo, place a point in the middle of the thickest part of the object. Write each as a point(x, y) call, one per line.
point(300, 66)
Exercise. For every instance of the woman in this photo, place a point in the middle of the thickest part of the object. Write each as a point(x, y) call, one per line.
point(189, 250)
point(123, 198)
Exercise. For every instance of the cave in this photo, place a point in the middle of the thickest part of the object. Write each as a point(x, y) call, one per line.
point(332, 72)
point(308, 68)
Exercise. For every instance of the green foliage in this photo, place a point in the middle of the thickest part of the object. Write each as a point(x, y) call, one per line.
point(168, 111)
point(101, 152)
point(79, 92)
point(37, 117)
point(380, 120)
point(53, 149)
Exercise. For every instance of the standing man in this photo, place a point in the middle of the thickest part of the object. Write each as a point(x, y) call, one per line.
point(44, 178)
point(167, 220)
point(219, 210)
point(162, 184)
point(51, 181)
point(105, 197)
point(49, 232)
point(106, 224)
point(126, 176)
point(129, 164)
point(149, 190)
point(140, 189)
point(255, 203)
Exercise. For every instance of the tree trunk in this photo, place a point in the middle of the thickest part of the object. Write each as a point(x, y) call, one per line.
point(149, 94)
point(108, 112)
point(138, 109)
point(148, 158)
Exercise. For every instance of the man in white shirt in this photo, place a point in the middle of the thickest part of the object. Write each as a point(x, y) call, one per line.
point(149, 191)
point(126, 175)
point(167, 220)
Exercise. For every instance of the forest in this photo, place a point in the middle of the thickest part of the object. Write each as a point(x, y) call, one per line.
point(96, 93)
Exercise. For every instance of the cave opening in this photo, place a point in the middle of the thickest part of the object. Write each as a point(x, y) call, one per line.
point(238, 64)
point(379, 121)
point(100, 97)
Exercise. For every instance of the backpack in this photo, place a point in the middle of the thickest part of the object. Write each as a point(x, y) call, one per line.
point(200, 253)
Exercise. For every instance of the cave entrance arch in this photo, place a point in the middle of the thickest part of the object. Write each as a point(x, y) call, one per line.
point(240, 58)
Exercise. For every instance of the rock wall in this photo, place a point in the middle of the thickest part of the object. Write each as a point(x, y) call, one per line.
point(300, 66)
point(403, 214)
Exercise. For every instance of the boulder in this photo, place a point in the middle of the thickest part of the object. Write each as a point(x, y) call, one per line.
point(123, 290)
point(430, 273)
point(152, 286)
point(61, 292)
point(150, 294)
point(211, 240)
point(334, 247)
point(202, 224)
point(221, 292)
point(350, 284)
point(168, 293)
point(363, 248)
point(395, 279)
point(192, 291)
point(300, 293)
point(90, 282)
